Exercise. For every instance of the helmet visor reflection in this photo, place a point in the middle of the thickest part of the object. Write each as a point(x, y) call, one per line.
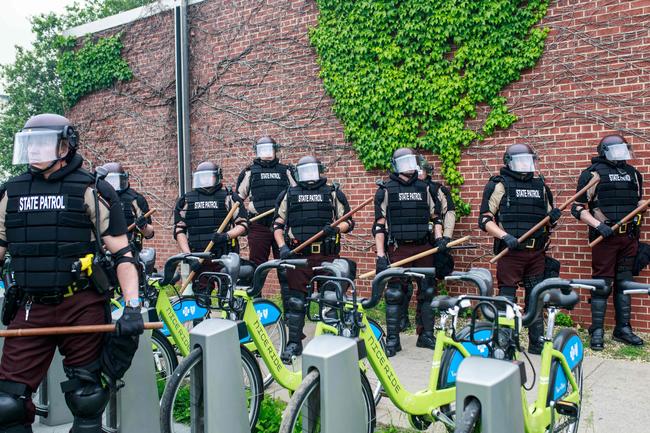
point(617, 152)
point(522, 162)
point(119, 181)
point(32, 147)
point(204, 179)
point(308, 172)
point(265, 150)
point(406, 163)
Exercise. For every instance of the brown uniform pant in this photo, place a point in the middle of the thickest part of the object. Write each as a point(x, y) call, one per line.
point(26, 359)
point(260, 243)
point(299, 278)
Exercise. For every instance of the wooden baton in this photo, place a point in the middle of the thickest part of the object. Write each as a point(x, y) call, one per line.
point(68, 330)
point(262, 215)
point(624, 220)
point(147, 215)
point(417, 256)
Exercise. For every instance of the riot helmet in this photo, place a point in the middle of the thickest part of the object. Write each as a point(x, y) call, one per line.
point(309, 169)
point(424, 167)
point(404, 160)
point(614, 148)
point(266, 148)
point(117, 177)
point(520, 158)
point(207, 175)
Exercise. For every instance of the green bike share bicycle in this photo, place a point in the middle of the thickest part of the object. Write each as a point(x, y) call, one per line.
point(559, 394)
point(179, 313)
point(236, 303)
point(423, 407)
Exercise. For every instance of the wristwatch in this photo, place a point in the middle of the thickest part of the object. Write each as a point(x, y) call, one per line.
point(133, 303)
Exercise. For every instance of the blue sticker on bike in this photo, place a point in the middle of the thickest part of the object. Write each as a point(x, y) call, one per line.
point(267, 311)
point(573, 351)
point(186, 310)
point(473, 349)
point(376, 329)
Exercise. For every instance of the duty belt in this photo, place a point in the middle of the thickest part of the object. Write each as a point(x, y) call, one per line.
point(55, 298)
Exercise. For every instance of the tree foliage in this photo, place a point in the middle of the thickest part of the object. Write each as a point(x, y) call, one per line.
point(33, 82)
point(412, 73)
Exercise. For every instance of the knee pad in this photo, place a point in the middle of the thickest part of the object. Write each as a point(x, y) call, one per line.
point(625, 269)
point(532, 281)
point(295, 301)
point(394, 295)
point(13, 413)
point(609, 282)
point(84, 393)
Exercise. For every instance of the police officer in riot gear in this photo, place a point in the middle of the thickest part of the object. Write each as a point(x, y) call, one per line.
point(404, 207)
point(134, 204)
point(262, 182)
point(513, 202)
point(303, 210)
point(49, 216)
point(200, 212)
point(617, 193)
point(442, 261)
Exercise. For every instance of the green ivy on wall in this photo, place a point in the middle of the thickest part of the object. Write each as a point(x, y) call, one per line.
point(411, 73)
point(94, 66)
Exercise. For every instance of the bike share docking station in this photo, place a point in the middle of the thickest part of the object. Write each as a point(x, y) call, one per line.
point(496, 384)
point(122, 413)
point(224, 396)
point(341, 397)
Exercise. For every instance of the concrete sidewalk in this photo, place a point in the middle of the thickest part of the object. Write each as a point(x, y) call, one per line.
point(615, 393)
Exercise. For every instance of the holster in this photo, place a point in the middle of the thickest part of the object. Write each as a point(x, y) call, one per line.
point(103, 275)
point(13, 298)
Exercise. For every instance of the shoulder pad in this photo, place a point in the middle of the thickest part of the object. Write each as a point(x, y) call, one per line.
point(228, 189)
point(381, 183)
point(336, 186)
point(497, 178)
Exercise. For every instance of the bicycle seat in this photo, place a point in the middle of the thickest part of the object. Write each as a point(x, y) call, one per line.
point(443, 302)
point(148, 258)
point(246, 271)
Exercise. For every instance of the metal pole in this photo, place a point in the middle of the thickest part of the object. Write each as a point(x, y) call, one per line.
point(181, 35)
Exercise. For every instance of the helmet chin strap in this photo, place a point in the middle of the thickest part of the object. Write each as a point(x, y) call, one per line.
point(40, 171)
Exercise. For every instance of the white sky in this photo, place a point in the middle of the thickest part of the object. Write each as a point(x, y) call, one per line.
point(15, 28)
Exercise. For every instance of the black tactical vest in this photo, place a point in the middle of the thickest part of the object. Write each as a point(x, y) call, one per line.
point(523, 205)
point(204, 214)
point(617, 193)
point(266, 183)
point(309, 209)
point(408, 212)
point(127, 197)
point(48, 229)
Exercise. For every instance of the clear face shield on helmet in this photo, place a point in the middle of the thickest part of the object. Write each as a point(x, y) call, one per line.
point(406, 163)
point(265, 151)
point(617, 152)
point(204, 179)
point(36, 146)
point(308, 172)
point(119, 181)
point(523, 162)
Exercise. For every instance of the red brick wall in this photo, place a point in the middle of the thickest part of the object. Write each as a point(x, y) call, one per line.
point(254, 73)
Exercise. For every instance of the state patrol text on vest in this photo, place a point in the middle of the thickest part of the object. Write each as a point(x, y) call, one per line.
point(410, 196)
point(530, 193)
point(206, 205)
point(266, 176)
point(41, 203)
point(310, 198)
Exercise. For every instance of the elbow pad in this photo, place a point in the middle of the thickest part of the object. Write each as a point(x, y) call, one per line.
point(483, 220)
point(178, 230)
point(378, 228)
point(120, 256)
point(278, 226)
point(576, 210)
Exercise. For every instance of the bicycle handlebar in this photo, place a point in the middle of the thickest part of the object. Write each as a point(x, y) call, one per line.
point(259, 277)
point(173, 261)
point(634, 288)
point(482, 279)
point(381, 280)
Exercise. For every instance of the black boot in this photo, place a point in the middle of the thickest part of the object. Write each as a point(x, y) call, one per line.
point(295, 317)
point(426, 338)
point(394, 297)
point(404, 322)
point(536, 337)
point(598, 311)
point(623, 331)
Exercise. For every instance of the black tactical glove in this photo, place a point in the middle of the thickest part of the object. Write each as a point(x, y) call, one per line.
point(285, 252)
point(331, 231)
point(220, 239)
point(441, 244)
point(604, 230)
point(555, 214)
point(381, 264)
point(141, 222)
point(510, 241)
point(130, 323)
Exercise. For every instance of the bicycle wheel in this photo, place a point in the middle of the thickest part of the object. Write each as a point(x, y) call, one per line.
point(470, 419)
point(164, 358)
point(176, 404)
point(307, 398)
